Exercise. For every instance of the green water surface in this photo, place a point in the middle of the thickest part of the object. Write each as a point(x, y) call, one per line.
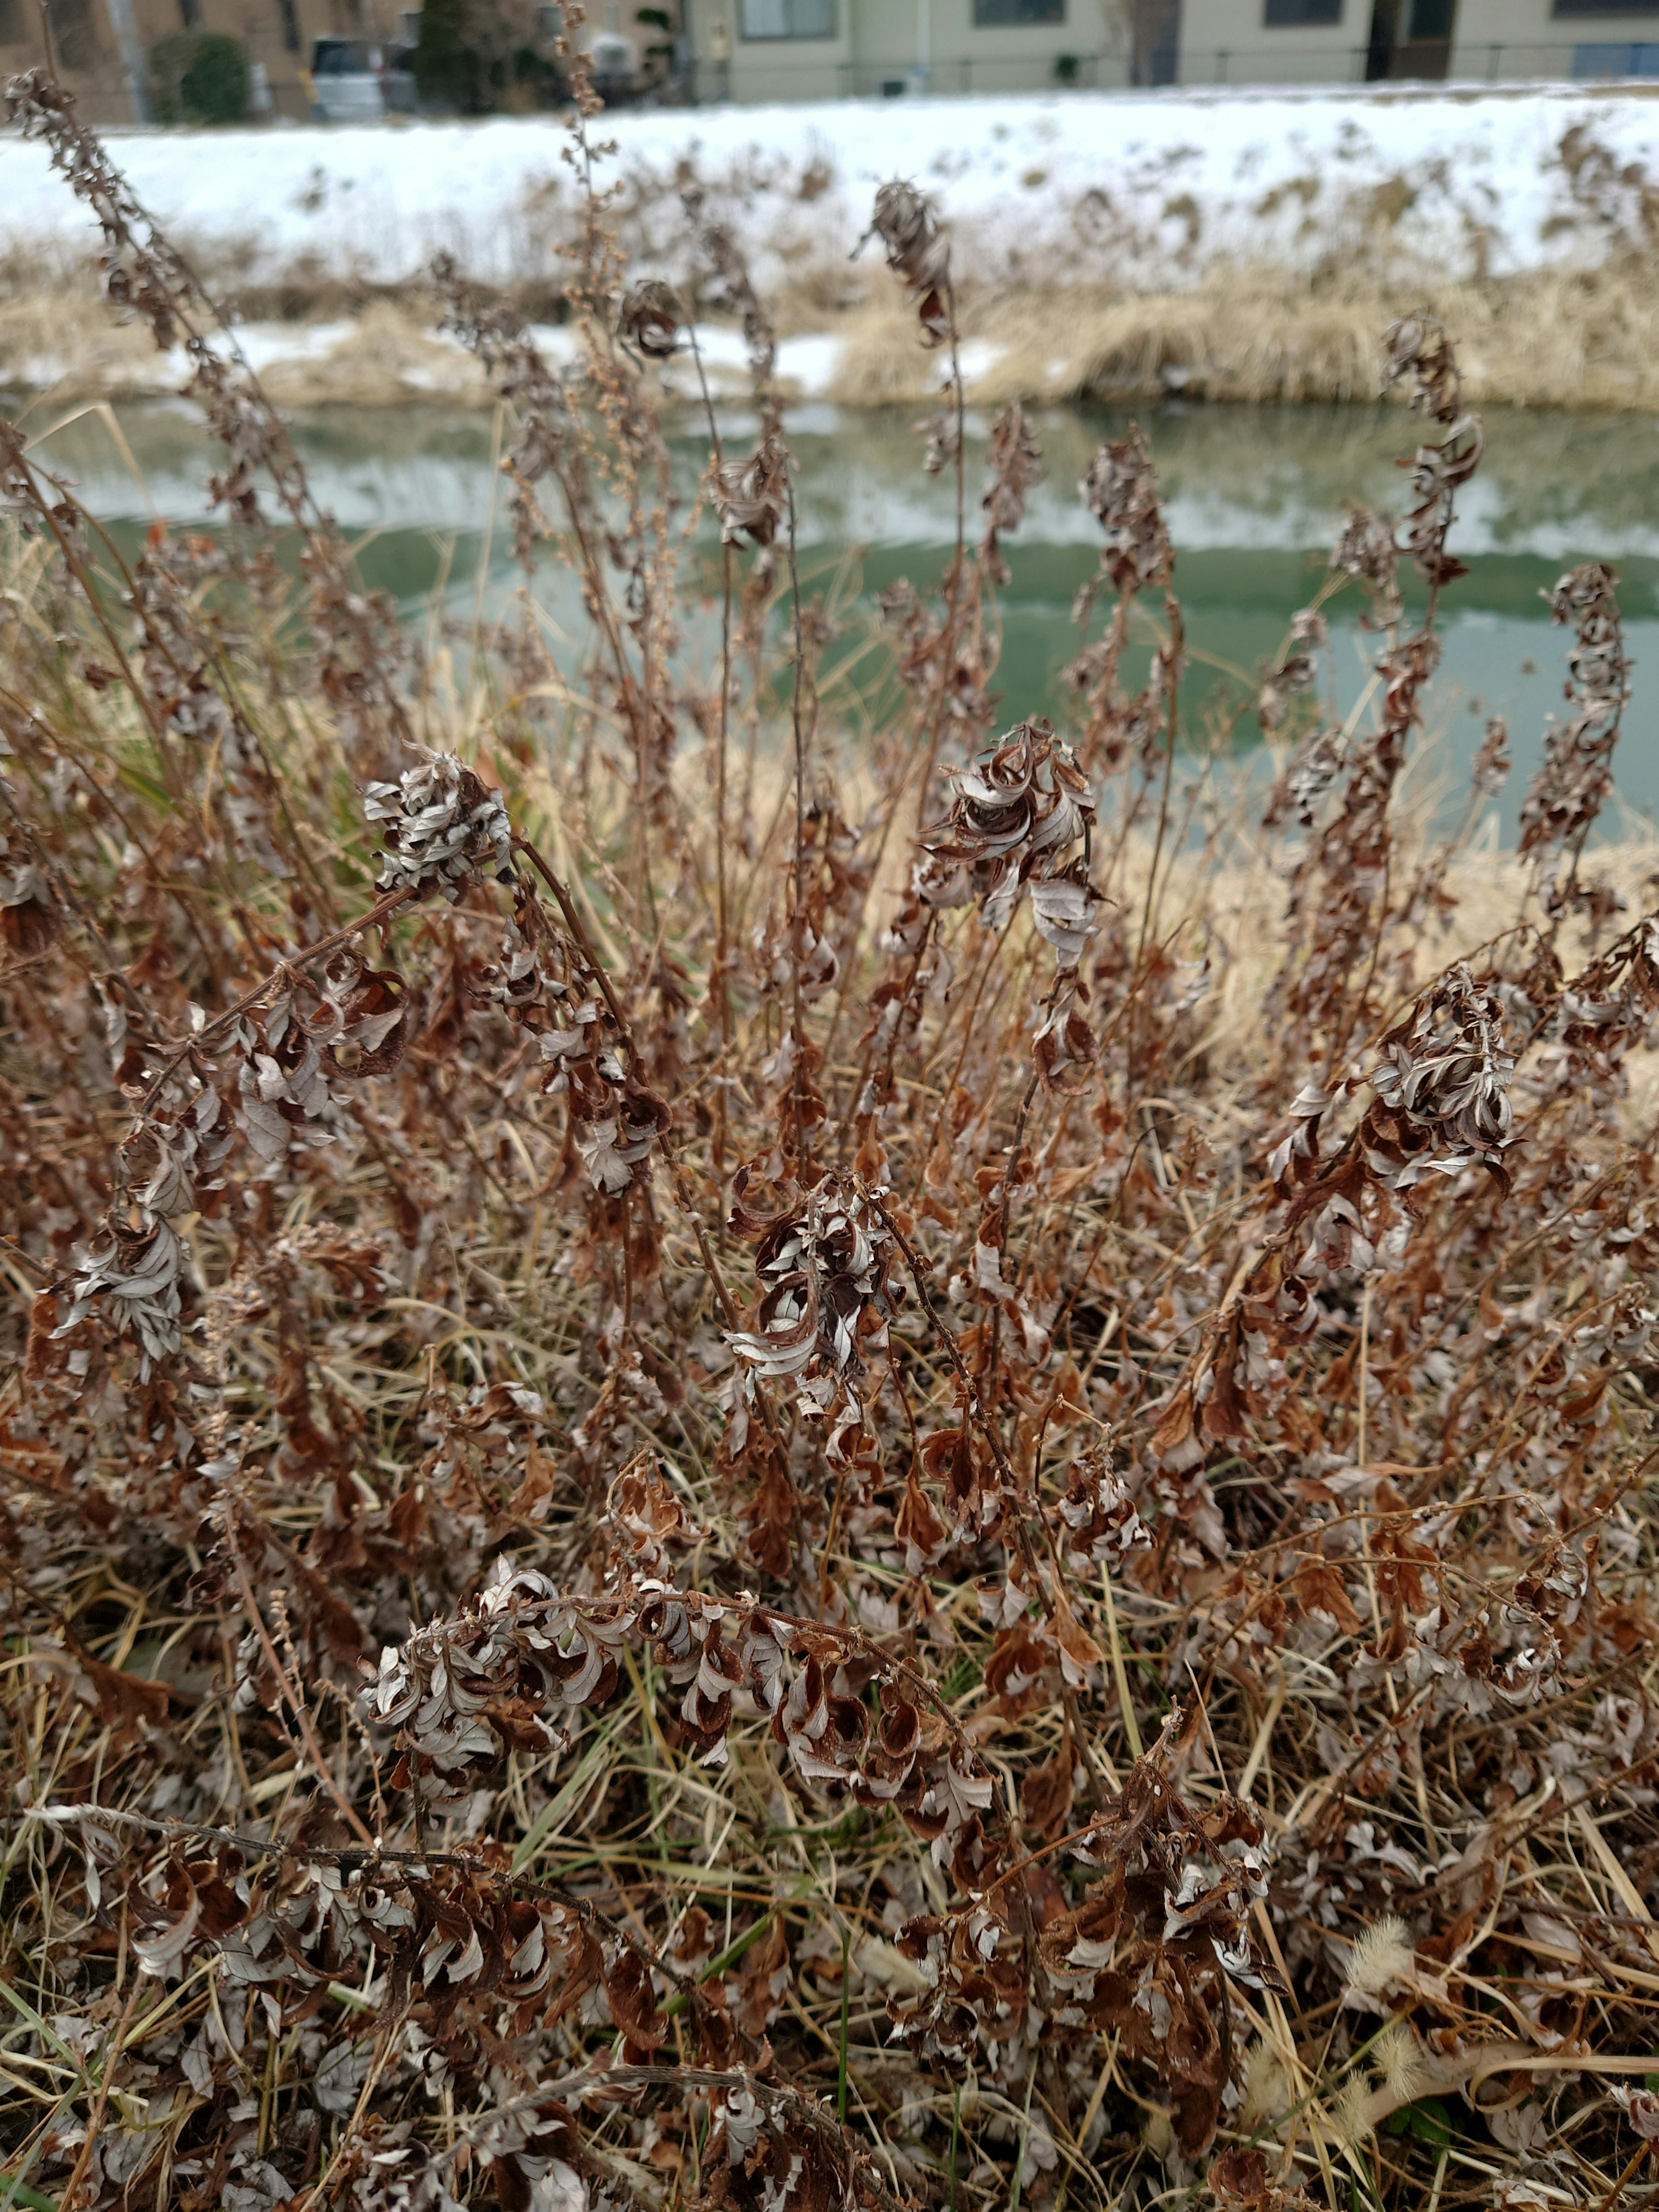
point(1253, 497)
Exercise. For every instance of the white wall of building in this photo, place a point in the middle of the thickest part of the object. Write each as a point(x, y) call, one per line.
point(937, 46)
point(959, 53)
point(732, 66)
point(875, 46)
point(1226, 41)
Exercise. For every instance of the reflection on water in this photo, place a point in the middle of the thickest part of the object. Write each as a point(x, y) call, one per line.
point(1252, 496)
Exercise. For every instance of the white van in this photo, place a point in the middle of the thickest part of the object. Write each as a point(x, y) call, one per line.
point(360, 80)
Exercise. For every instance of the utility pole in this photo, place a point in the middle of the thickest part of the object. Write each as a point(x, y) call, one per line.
point(125, 25)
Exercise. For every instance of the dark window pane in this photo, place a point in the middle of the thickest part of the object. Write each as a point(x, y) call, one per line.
point(343, 58)
point(11, 23)
point(1431, 19)
point(989, 14)
point(1283, 15)
point(1606, 8)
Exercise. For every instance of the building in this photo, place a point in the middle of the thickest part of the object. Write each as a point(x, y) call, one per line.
point(748, 50)
point(1360, 42)
point(1496, 40)
point(101, 47)
point(763, 50)
point(760, 50)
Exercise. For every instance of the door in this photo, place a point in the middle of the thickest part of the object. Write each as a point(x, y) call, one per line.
point(1411, 38)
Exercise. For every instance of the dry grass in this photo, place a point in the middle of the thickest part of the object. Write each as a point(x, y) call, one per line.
point(1584, 341)
point(1578, 340)
point(734, 1487)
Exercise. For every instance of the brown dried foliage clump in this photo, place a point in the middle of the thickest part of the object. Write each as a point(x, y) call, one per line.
point(719, 1494)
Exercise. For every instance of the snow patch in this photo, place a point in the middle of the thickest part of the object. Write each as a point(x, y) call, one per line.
point(1145, 189)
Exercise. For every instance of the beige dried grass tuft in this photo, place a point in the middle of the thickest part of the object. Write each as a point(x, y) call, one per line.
point(1573, 339)
point(1382, 1956)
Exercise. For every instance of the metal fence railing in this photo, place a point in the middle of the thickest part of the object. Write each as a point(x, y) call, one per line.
point(1271, 65)
point(1499, 59)
point(786, 69)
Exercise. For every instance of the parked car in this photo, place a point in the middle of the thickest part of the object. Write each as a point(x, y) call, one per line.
point(616, 69)
point(360, 80)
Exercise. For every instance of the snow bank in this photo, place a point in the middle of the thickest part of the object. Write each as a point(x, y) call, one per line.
point(1146, 189)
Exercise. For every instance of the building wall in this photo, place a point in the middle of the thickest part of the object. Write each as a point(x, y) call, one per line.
point(86, 51)
point(880, 46)
point(727, 65)
point(1231, 41)
point(1515, 38)
point(961, 53)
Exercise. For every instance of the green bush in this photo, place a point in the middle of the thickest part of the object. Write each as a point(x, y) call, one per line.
point(200, 76)
point(449, 69)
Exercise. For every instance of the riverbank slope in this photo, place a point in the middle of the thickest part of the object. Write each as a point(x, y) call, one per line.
point(1232, 245)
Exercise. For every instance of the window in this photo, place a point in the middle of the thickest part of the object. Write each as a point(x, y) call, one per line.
point(11, 23)
point(290, 15)
point(987, 12)
point(1284, 14)
point(789, 19)
point(1430, 19)
point(1616, 60)
point(345, 57)
point(1606, 8)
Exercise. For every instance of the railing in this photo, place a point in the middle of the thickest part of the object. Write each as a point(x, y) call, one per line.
point(967, 73)
point(782, 70)
point(1587, 59)
point(1273, 65)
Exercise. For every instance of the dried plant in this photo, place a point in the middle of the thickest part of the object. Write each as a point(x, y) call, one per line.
point(918, 253)
point(621, 1590)
point(1015, 466)
point(1575, 778)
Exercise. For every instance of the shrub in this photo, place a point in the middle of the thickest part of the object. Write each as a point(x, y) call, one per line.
point(200, 76)
point(450, 70)
point(752, 1463)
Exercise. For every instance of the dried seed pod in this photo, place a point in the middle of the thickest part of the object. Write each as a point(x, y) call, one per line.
point(1492, 766)
point(1015, 817)
point(1365, 547)
point(822, 1273)
point(918, 253)
point(445, 828)
point(1120, 489)
point(1419, 347)
point(1443, 1074)
point(1575, 778)
point(651, 317)
point(751, 496)
point(1309, 635)
point(1016, 466)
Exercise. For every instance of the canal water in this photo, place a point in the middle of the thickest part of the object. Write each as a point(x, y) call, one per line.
point(1254, 498)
